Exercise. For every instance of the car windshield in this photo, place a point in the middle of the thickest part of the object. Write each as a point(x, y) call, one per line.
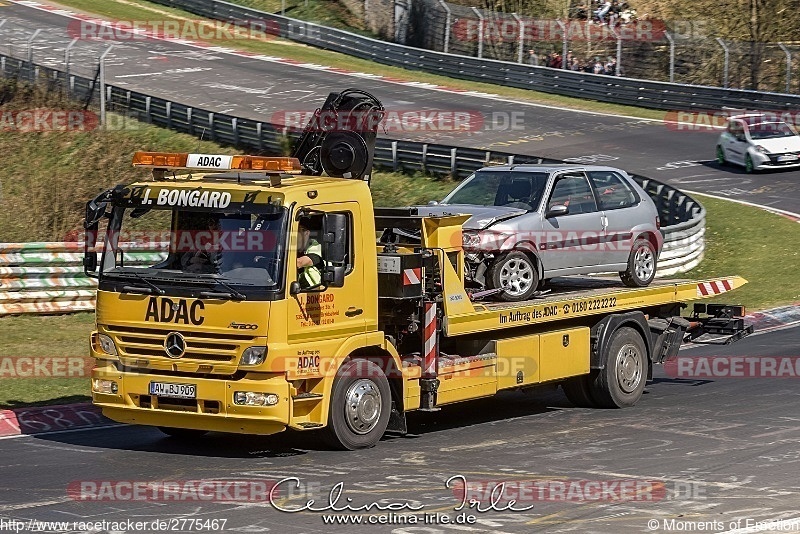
point(769, 130)
point(515, 189)
point(239, 249)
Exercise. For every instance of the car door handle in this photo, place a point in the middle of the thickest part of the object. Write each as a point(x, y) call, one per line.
point(352, 311)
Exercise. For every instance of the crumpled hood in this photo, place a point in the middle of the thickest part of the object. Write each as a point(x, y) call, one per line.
point(780, 144)
point(482, 216)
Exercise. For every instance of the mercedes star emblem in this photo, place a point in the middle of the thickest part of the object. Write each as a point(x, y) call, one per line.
point(174, 345)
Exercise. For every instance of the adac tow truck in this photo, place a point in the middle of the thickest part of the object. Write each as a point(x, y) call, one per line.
point(243, 347)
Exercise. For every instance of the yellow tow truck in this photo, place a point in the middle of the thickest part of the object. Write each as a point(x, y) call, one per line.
point(227, 333)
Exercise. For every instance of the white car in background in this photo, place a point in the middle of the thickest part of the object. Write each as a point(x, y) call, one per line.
point(758, 142)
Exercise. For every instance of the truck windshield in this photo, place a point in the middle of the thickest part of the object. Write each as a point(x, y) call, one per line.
point(235, 251)
point(500, 188)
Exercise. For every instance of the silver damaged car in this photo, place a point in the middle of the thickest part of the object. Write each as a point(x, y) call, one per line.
point(530, 223)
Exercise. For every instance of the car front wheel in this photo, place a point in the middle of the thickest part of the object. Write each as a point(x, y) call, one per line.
point(748, 164)
point(641, 264)
point(516, 274)
point(721, 155)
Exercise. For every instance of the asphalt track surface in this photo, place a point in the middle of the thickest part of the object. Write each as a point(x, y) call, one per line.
point(724, 450)
point(269, 90)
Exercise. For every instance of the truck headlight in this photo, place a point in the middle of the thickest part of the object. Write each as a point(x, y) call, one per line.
point(254, 355)
point(107, 344)
point(104, 386)
point(252, 398)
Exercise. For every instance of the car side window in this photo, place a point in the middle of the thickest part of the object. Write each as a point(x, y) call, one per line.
point(612, 191)
point(736, 130)
point(573, 191)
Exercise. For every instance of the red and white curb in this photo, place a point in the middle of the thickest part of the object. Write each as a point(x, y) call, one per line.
point(49, 419)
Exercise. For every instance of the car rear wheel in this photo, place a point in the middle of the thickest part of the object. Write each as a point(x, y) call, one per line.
point(721, 156)
point(641, 264)
point(516, 274)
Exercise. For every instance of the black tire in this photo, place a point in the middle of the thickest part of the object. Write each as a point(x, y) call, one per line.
point(578, 391)
point(749, 168)
point(621, 382)
point(642, 264)
point(516, 273)
point(721, 156)
point(183, 434)
point(353, 426)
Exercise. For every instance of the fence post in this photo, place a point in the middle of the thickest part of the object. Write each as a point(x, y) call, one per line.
point(235, 130)
point(727, 58)
point(190, 120)
point(521, 39)
point(211, 135)
point(66, 58)
point(29, 49)
point(511, 159)
point(424, 157)
point(480, 32)
point(564, 43)
point(671, 57)
point(259, 129)
point(618, 70)
point(788, 66)
point(453, 158)
point(447, 23)
point(394, 155)
point(103, 87)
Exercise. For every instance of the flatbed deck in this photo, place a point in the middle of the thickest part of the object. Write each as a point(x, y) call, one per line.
point(573, 297)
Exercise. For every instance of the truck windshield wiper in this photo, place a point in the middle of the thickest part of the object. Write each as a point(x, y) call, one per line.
point(153, 288)
point(232, 292)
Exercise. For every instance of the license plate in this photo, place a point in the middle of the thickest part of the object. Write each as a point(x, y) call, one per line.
point(788, 157)
point(177, 391)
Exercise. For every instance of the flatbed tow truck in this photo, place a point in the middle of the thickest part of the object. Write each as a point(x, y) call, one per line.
point(390, 328)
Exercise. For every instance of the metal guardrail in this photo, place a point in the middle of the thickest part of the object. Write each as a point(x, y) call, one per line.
point(618, 90)
point(48, 278)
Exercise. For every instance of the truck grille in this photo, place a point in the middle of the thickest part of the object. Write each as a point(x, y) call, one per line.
point(202, 346)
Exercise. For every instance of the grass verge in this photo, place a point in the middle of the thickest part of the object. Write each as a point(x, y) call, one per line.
point(143, 10)
point(755, 244)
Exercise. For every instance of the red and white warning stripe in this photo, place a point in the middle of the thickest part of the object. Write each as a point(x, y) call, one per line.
point(429, 358)
point(412, 276)
point(715, 287)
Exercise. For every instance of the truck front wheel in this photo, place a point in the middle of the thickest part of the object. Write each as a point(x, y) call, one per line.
point(360, 406)
point(621, 382)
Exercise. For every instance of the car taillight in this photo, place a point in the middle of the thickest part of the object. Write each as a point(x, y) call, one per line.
point(658, 222)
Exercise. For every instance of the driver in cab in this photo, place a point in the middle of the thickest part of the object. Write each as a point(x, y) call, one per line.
point(309, 256)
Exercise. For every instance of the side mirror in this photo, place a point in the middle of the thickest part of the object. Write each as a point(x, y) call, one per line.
point(95, 211)
point(433, 203)
point(334, 248)
point(557, 211)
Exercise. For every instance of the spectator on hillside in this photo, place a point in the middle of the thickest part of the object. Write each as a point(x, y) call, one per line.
point(598, 67)
point(611, 67)
point(603, 11)
point(533, 58)
point(613, 14)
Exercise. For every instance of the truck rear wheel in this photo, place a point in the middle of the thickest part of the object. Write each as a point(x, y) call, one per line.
point(360, 406)
point(579, 391)
point(621, 382)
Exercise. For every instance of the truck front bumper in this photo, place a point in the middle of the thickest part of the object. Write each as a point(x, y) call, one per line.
point(212, 410)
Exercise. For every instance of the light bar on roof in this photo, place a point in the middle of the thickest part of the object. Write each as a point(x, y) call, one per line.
point(214, 162)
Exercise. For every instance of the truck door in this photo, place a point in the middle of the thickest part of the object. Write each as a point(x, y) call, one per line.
point(570, 240)
point(319, 318)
